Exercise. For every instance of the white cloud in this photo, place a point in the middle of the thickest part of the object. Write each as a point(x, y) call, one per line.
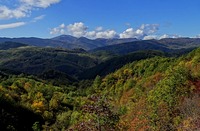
point(164, 36)
point(39, 3)
point(169, 36)
point(24, 8)
point(108, 34)
point(91, 34)
point(12, 25)
point(61, 29)
point(175, 36)
point(6, 13)
point(62, 26)
point(38, 18)
point(131, 33)
point(149, 28)
point(78, 29)
point(140, 33)
point(150, 37)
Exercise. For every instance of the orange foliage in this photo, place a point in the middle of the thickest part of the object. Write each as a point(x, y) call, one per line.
point(153, 80)
point(126, 96)
point(136, 118)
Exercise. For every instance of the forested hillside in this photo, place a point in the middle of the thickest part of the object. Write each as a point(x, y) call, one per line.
point(36, 60)
point(157, 93)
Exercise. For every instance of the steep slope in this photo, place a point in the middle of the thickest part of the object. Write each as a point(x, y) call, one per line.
point(155, 94)
point(24, 98)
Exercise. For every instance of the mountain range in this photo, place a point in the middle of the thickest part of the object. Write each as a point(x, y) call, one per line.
point(67, 41)
point(71, 42)
point(165, 45)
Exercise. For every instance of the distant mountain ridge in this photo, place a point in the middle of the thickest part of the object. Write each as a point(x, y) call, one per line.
point(71, 42)
point(168, 45)
point(67, 41)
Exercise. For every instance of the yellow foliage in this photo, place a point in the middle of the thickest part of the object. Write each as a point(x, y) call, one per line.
point(38, 106)
point(39, 95)
point(1, 88)
point(27, 86)
point(127, 72)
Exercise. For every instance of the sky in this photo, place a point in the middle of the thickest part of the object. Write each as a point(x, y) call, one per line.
point(141, 19)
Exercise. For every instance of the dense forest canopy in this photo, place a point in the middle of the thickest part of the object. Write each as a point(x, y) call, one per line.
point(62, 89)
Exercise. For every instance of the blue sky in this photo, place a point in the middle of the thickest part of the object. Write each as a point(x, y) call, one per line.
point(142, 19)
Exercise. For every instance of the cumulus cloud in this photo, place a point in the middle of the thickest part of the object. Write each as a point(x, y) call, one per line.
point(102, 34)
point(79, 29)
point(131, 33)
point(61, 29)
point(164, 36)
point(143, 31)
point(12, 25)
point(169, 36)
point(24, 8)
point(6, 13)
point(150, 37)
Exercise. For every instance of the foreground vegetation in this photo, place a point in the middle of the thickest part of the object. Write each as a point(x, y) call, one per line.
point(157, 93)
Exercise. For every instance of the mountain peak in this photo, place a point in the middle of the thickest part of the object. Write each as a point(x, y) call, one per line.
point(65, 38)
